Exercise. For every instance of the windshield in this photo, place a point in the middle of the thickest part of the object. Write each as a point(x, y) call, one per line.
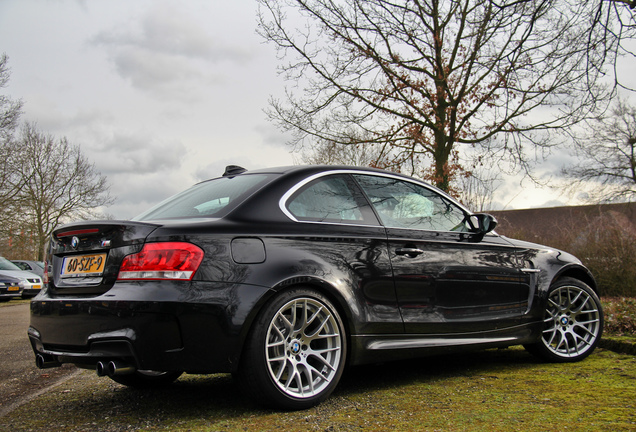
point(5, 264)
point(212, 198)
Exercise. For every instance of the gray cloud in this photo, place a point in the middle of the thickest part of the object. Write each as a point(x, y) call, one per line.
point(271, 135)
point(138, 193)
point(138, 155)
point(169, 51)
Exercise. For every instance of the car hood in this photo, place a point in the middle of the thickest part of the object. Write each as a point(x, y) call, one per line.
point(20, 274)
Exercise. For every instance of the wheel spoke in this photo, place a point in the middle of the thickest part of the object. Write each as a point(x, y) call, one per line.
point(277, 343)
point(289, 324)
point(576, 299)
point(586, 330)
point(553, 303)
point(585, 323)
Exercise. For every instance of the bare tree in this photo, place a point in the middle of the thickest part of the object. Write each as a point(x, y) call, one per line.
point(58, 184)
point(608, 155)
point(331, 153)
point(10, 111)
point(476, 188)
point(612, 25)
point(436, 80)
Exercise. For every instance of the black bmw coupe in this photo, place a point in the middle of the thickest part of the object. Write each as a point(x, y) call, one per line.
point(283, 276)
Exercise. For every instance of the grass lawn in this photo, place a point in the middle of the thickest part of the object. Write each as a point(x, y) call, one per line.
point(494, 390)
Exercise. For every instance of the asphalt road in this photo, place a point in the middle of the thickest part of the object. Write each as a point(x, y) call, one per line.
point(20, 380)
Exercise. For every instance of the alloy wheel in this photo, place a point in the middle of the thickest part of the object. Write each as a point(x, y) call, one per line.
point(572, 322)
point(303, 348)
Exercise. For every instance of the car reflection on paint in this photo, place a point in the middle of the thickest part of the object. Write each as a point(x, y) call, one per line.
point(283, 276)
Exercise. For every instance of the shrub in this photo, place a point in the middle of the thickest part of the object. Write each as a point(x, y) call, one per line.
point(606, 248)
point(610, 254)
point(620, 315)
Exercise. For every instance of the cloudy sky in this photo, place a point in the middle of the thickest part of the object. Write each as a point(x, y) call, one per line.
point(161, 94)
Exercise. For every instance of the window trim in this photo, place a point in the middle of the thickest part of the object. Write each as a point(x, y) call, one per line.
point(291, 193)
point(282, 203)
point(432, 189)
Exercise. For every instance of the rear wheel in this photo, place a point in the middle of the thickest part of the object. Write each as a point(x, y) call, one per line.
point(573, 322)
point(296, 353)
point(146, 379)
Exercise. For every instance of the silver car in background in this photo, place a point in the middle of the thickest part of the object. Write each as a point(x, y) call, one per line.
point(36, 267)
point(32, 282)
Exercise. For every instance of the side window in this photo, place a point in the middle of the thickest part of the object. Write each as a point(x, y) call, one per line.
point(402, 204)
point(330, 199)
point(23, 266)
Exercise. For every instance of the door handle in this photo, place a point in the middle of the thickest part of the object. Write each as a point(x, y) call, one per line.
point(409, 252)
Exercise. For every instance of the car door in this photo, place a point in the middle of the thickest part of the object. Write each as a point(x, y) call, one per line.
point(343, 242)
point(447, 279)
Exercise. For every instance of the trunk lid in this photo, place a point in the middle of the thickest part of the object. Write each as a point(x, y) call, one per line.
point(84, 258)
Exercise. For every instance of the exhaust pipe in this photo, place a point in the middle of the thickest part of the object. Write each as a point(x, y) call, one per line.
point(45, 361)
point(113, 368)
point(119, 368)
point(100, 368)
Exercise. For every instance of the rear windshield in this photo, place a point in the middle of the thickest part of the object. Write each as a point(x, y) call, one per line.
point(213, 198)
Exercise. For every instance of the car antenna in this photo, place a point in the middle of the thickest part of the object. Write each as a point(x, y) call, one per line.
point(232, 170)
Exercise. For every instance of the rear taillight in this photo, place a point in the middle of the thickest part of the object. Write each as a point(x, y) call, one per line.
point(45, 274)
point(169, 260)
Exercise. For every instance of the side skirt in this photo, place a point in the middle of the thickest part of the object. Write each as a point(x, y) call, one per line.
point(379, 348)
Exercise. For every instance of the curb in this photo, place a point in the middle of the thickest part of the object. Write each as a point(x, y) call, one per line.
point(619, 345)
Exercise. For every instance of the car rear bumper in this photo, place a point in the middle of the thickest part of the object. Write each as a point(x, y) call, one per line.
point(168, 333)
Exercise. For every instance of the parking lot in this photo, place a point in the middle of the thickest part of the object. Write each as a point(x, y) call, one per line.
point(20, 380)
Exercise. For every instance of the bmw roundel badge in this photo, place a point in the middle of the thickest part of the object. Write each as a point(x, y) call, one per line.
point(74, 242)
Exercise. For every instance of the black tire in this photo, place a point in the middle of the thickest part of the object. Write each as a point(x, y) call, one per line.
point(296, 352)
point(573, 323)
point(146, 379)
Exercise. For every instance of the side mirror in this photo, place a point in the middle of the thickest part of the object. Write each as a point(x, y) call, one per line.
point(482, 223)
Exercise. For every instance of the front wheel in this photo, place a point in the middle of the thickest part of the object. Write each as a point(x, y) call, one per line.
point(573, 323)
point(296, 352)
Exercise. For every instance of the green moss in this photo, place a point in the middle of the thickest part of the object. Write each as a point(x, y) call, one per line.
point(494, 390)
point(621, 344)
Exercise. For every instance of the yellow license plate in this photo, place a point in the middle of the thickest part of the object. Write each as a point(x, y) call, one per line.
point(83, 265)
point(37, 286)
point(13, 288)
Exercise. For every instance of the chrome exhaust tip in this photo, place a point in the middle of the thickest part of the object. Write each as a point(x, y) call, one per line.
point(44, 361)
point(101, 369)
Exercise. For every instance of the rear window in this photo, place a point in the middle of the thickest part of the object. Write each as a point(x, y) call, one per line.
point(213, 198)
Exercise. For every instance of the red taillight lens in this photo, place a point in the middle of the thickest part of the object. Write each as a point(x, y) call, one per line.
point(45, 274)
point(169, 260)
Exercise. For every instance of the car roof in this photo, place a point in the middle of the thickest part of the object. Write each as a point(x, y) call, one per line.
point(316, 168)
point(307, 170)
